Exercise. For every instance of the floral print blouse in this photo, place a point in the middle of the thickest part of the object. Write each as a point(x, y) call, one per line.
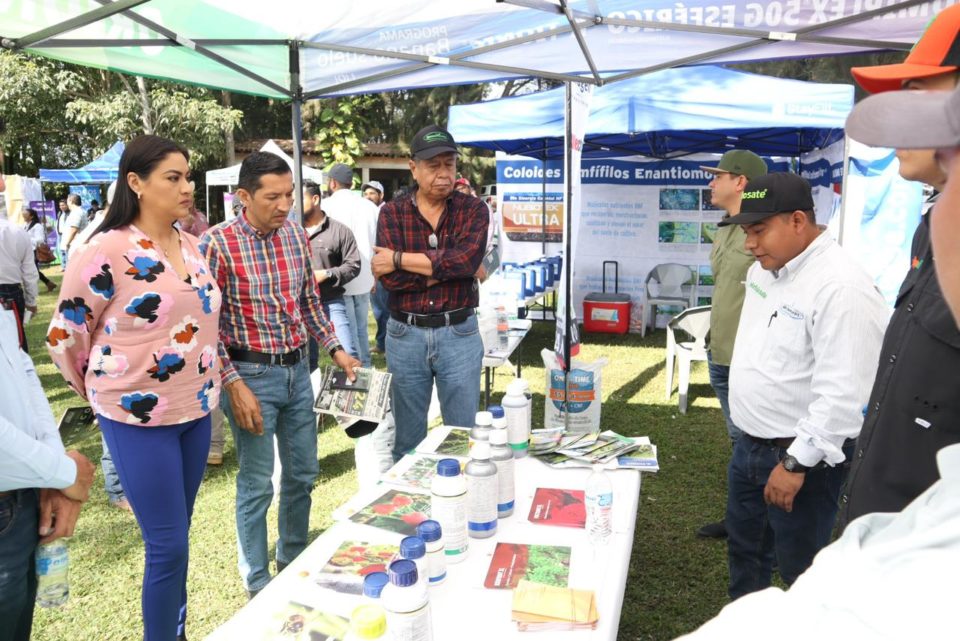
point(131, 337)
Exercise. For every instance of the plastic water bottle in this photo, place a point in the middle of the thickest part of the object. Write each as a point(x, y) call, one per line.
point(503, 327)
point(53, 564)
point(407, 604)
point(481, 427)
point(448, 506)
point(432, 534)
point(502, 456)
point(599, 500)
point(482, 490)
point(518, 414)
point(367, 622)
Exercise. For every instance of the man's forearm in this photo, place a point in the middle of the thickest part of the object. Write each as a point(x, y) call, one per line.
point(416, 264)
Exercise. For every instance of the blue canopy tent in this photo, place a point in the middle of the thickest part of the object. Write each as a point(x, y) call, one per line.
point(666, 114)
point(104, 169)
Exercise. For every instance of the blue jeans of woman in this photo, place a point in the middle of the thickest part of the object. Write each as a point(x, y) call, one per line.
point(286, 403)
point(358, 310)
point(19, 520)
point(379, 300)
point(161, 469)
point(337, 314)
point(756, 530)
point(416, 356)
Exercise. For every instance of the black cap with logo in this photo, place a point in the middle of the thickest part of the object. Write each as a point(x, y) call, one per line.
point(772, 194)
point(432, 141)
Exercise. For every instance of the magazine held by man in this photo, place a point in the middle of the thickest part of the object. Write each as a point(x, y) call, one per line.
point(366, 398)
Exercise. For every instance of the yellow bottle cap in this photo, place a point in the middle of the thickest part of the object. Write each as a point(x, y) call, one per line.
point(368, 622)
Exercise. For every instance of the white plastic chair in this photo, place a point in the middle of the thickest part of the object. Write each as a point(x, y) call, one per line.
point(667, 284)
point(696, 322)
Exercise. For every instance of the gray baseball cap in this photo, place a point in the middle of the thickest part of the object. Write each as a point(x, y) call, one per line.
point(907, 119)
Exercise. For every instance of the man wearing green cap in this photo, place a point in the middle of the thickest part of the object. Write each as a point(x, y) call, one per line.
point(729, 262)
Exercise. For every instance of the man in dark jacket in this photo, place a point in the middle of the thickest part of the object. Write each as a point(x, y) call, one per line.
point(912, 412)
point(336, 261)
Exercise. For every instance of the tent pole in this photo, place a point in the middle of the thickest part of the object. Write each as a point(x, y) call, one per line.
point(543, 202)
point(296, 119)
point(568, 251)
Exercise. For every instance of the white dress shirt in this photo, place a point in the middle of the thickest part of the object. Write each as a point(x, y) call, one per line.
point(890, 576)
point(360, 215)
point(806, 351)
point(31, 453)
point(37, 234)
point(17, 265)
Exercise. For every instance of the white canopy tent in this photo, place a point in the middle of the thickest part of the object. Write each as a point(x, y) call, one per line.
point(228, 176)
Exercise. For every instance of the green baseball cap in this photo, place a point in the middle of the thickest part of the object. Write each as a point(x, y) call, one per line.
point(740, 162)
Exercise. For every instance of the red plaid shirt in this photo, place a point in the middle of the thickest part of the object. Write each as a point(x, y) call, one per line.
point(461, 243)
point(270, 296)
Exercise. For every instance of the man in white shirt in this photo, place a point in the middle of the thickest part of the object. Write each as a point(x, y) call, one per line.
point(76, 222)
point(360, 215)
point(41, 486)
point(18, 269)
point(803, 363)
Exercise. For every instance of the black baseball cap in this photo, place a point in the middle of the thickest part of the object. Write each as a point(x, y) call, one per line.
point(772, 194)
point(432, 141)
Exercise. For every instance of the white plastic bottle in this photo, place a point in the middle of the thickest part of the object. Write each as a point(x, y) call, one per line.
point(502, 456)
point(599, 503)
point(518, 414)
point(481, 426)
point(413, 548)
point(482, 490)
point(367, 622)
point(53, 565)
point(432, 534)
point(498, 417)
point(503, 327)
point(448, 506)
point(407, 604)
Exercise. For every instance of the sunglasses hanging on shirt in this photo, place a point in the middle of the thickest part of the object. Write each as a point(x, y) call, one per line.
point(433, 241)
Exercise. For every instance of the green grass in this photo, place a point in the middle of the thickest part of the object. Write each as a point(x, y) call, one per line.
point(676, 581)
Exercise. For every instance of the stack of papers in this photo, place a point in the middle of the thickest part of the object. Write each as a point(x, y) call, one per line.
point(609, 449)
point(538, 607)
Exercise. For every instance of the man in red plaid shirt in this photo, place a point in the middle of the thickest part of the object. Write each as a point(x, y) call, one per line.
point(261, 262)
point(429, 247)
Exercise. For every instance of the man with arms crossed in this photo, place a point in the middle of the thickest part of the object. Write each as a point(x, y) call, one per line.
point(803, 360)
point(261, 261)
point(429, 247)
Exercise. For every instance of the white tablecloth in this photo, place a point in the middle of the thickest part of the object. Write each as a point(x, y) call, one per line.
point(462, 608)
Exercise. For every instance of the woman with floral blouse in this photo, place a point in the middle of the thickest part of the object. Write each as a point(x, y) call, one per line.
point(135, 333)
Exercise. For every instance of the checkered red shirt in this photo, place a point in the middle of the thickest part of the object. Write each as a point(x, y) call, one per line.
point(461, 243)
point(270, 296)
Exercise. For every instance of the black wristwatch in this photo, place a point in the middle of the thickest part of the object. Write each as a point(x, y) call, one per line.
point(338, 348)
point(791, 464)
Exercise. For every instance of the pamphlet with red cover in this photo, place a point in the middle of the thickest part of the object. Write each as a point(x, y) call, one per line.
point(558, 507)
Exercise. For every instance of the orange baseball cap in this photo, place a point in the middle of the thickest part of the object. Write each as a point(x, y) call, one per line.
point(937, 51)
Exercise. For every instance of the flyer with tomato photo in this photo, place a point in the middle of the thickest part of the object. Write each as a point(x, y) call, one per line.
point(395, 511)
point(544, 564)
point(353, 560)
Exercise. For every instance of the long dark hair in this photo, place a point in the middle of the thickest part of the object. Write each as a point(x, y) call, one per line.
point(34, 217)
point(140, 157)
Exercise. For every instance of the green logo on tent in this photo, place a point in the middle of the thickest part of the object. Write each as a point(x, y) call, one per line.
point(755, 195)
point(435, 136)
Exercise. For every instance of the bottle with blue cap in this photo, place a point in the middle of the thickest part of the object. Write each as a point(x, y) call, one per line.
point(413, 548)
point(432, 534)
point(482, 491)
point(373, 585)
point(407, 604)
point(448, 506)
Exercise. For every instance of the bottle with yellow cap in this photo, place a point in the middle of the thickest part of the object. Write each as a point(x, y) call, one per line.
point(367, 622)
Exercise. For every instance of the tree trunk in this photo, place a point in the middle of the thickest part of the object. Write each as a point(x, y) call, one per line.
point(228, 142)
point(146, 109)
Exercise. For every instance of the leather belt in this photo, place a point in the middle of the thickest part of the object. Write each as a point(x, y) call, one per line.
point(784, 442)
point(260, 358)
point(444, 319)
